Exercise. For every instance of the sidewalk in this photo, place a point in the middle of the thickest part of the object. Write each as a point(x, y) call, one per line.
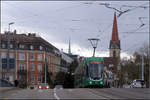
point(4, 89)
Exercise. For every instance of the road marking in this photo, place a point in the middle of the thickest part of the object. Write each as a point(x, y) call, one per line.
point(55, 95)
point(70, 90)
point(13, 94)
point(98, 94)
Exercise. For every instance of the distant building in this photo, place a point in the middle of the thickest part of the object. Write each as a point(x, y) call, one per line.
point(65, 62)
point(29, 53)
point(67, 59)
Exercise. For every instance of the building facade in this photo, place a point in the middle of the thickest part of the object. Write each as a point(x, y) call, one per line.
point(27, 53)
point(66, 60)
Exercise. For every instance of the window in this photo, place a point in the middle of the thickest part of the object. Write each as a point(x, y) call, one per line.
point(3, 76)
point(11, 60)
point(31, 47)
point(111, 65)
point(32, 78)
point(39, 78)
point(114, 53)
point(39, 67)
point(39, 57)
point(21, 67)
point(3, 55)
point(21, 56)
point(32, 67)
point(3, 45)
point(21, 46)
point(12, 63)
point(11, 55)
point(4, 65)
point(31, 56)
point(4, 60)
point(40, 47)
point(11, 45)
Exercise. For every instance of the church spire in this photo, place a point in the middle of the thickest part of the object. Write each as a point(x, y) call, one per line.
point(69, 50)
point(115, 37)
point(114, 46)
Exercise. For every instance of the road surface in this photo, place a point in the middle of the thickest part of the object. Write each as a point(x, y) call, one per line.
point(79, 93)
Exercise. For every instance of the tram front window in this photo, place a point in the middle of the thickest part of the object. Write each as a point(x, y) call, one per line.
point(95, 71)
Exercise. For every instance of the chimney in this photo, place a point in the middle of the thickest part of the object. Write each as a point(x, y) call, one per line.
point(32, 34)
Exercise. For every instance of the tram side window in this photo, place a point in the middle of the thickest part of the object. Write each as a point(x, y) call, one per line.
point(101, 70)
point(87, 74)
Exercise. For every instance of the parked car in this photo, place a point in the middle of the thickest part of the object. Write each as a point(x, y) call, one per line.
point(31, 86)
point(43, 86)
point(138, 83)
point(5, 83)
point(126, 86)
point(59, 86)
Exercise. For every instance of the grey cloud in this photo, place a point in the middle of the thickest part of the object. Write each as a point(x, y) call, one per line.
point(79, 21)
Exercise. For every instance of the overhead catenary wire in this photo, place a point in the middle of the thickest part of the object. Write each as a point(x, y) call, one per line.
point(100, 33)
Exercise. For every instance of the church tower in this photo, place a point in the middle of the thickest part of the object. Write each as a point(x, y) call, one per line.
point(114, 47)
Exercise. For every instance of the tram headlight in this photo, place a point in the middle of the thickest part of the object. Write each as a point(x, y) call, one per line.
point(90, 82)
point(101, 82)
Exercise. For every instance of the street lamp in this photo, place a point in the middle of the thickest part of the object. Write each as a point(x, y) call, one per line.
point(94, 42)
point(8, 46)
point(45, 65)
point(9, 26)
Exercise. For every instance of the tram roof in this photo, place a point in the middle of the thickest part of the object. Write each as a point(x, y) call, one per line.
point(94, 59)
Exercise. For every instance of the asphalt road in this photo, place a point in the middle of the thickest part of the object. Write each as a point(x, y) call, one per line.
point(80, 93)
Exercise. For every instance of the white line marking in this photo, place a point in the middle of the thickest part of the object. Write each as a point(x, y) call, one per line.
point(70, 90)
point(55, 95)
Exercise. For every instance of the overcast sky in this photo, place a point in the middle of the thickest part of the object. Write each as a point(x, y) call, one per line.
point(57, 21)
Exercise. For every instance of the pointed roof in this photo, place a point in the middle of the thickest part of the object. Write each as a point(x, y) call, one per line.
point(69, 50)
point(115, 37)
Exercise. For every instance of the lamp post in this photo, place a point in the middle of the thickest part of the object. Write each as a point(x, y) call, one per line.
point(94, 42)
point(142, 66)
point(8, 46)
point(45, 65)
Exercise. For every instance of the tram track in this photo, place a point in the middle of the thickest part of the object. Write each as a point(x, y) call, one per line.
point(99, 94)
point(110, 94)
point(118, 93)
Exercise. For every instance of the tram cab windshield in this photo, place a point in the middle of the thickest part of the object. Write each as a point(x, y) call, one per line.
point(95, 70)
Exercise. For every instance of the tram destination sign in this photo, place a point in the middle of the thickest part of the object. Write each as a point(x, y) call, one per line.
point(95, 62)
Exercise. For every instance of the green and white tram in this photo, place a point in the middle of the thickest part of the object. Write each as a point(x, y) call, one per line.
point(89, 73)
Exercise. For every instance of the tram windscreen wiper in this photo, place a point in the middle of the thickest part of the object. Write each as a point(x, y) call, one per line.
point(96, 78)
